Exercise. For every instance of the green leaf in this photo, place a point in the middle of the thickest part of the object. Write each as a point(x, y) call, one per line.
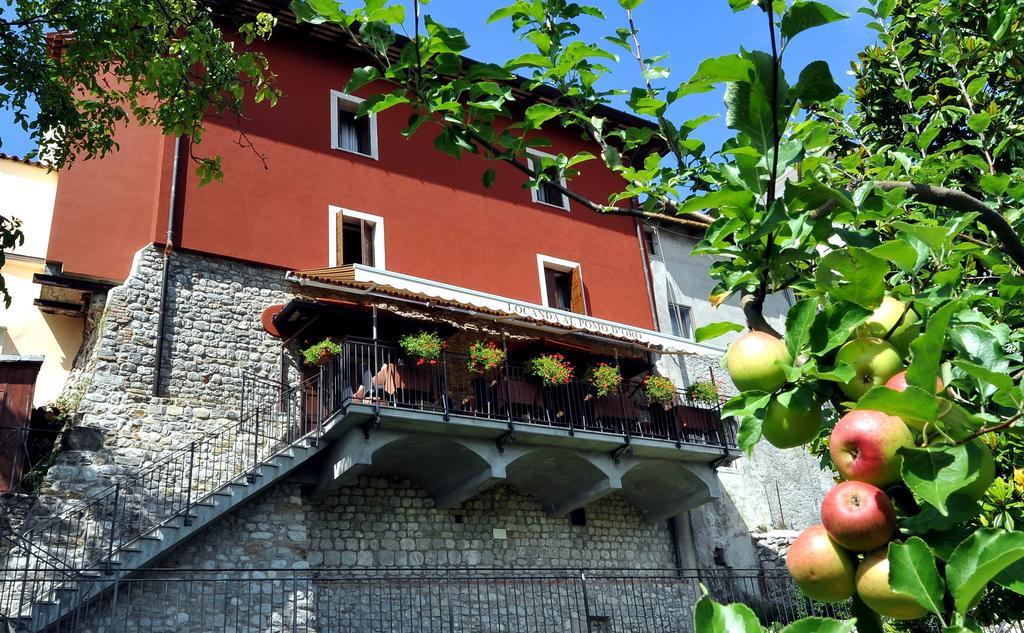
point(833, 326)
point(898, 252)
point(629, 5)
point(867, 620)
point(927, 348)
point(714, 330)
point(995, 184)
point(979, 122)
point(798, 325)
point(749, 103)
point(538, 113)
point(711, 617)
point(723, 198)
point(740, 5)
point(489, 176)
point(977, 560)
point(746, 403)
point(808, 15)
point(820, 625)
point(935, 237)
point(912, 570)
point(936, 472)
point(360, 77)
point(749, 433)
point(853, 274)
point(912, 404)
point(816, 84)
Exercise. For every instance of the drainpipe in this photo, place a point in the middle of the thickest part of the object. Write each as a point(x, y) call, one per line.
point(649, 283)
point(165, 271)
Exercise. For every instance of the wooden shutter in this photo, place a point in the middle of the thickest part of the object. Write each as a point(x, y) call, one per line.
point(339, 239)
point(366, 231)
point(579, 300)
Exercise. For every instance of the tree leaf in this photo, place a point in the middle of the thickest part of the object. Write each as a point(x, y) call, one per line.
point(808, 15)
point(927, 348)
point(749, 103)
point(977, 560)
point(798, 325)
point(746, 403)
point(820, 625)
point(711, 617)
point(816, 84)
point(936, 472)
point(912, 570)
point(853, 274)
point(749, 433)
point(867, 620)
point(714, 330)
point(538, 113)
point(979, 122)
point(898, 252)
point(832, 327)
point(912, 404)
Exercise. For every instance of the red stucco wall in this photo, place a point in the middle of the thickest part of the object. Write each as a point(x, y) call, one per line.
point(441, 223)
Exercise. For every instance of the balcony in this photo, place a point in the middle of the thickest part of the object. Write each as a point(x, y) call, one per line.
point(456, 433)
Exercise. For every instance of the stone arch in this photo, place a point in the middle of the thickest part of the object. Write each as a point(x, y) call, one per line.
point(662, 489)
point(561, 480)
point(436, 464)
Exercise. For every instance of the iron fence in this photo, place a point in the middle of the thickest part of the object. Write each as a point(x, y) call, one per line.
point(380, 373)
point(420, 601)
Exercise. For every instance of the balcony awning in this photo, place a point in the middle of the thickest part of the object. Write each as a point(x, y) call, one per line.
point(365, 280)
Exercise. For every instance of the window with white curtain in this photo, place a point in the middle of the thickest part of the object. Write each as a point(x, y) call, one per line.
point(351, 133)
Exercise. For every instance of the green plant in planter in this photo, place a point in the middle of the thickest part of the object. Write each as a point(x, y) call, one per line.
point(424, 346)
point(484, 356)
point(659, 389)
point(321, 353)
point(705, 391)
point(552, 369)
point(604, 378)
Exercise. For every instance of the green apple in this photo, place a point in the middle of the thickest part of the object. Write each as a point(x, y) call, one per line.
point(823, 570)
point(885, 317)
point(874, 589)
point(751, 362)
point(875, 361)
point(786, 427)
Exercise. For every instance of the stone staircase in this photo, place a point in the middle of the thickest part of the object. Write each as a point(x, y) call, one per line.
point(56, 568)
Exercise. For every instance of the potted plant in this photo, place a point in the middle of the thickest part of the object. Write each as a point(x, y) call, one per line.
point(659, 389)
point(604, 378)
point(703, 391)
point(321, 353)
point(484, 357)
point(424, 346)
point(552, 369)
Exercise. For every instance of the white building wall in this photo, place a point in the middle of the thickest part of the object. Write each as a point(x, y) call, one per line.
point(27, 192)
point(770, 490)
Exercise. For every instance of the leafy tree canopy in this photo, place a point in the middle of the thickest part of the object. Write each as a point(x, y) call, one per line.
point(164, 63)
point(908, 189)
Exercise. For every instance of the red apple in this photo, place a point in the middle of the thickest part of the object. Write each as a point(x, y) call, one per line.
point(874, 361)
point(823, 570)
point(874, 589)
point(751, 362)
point(858, 516)
point(899, 383)
point(864, 446)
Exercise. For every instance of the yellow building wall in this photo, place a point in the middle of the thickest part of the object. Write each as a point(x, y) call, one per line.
point(27, 193)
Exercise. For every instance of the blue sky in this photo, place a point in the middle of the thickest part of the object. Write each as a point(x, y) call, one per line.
point(688, 30)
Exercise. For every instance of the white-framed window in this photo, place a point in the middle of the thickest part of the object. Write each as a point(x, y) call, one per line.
point(681, 319)
point(350, 133)
point(547, 193)
point(354, 237)
point(561, 284)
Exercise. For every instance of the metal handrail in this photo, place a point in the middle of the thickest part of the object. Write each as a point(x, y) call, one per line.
point(91, 533)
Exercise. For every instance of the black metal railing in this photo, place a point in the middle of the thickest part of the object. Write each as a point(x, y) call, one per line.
point(89, 535)
point(422, 600)
point(379, 373)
